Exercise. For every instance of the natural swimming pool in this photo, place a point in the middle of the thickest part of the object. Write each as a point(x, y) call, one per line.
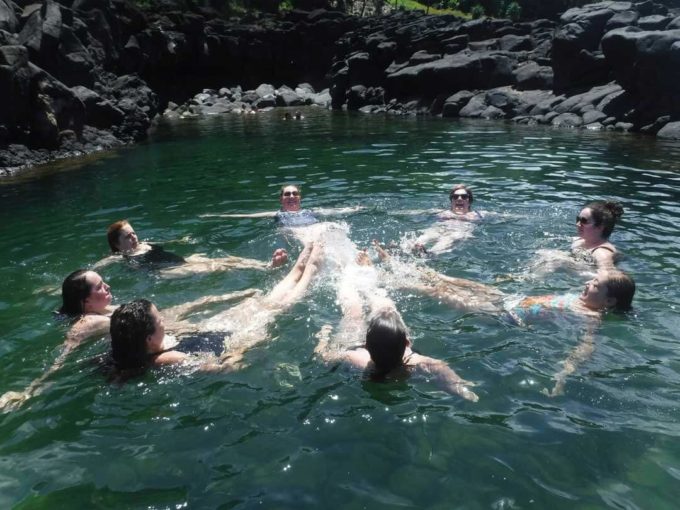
point(288, 431)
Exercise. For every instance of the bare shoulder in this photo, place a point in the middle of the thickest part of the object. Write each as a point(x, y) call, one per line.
point(356, 358)
point(170, 358)
point(87, 326)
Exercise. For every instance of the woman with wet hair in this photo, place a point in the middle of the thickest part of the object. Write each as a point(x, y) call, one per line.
point(454, 224)
point(139, 338)
point(86, 302)
point(609, 291)
point(595, 223)
point(386, 352)
point(125, 244)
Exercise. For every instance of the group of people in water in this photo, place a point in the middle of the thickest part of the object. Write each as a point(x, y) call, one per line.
point(371, 334)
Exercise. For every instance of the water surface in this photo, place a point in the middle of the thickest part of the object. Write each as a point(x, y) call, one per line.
point(290, 432)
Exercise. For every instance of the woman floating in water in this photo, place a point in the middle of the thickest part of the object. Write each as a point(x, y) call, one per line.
point(455, 224)
point(291, 213)
point(609, 291)
point(595, 224)
point(87, 302)
point(592, 248)
point(386, 352)
point(139, 339)
point(125, 244)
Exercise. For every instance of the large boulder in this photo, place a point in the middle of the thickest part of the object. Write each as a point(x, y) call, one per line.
point(576, 57)
point(56, 108)
point(465, 70)
point(670, 131)
point(15, 83)
point(8, 19)
point(647, 65)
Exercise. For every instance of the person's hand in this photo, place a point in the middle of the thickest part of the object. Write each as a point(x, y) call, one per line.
point(279, 258)
point(12, 400)
point(363, 259)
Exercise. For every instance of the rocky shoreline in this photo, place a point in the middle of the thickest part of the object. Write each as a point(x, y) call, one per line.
point(77, 76)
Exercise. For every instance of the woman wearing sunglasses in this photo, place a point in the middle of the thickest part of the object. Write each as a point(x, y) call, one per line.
point(455, 224)
point(595, 224)
point(609, 291)
point(461, 205)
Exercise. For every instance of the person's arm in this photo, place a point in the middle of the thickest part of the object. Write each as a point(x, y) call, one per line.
point(87, 327)
point(337, 211)
point(446, 378)
point(267, 214)
point(204, 365)
point(605, 257)
point(579, 355)
point(106, 261)
point(414, 212)
point(179, 312)
point(357, 358)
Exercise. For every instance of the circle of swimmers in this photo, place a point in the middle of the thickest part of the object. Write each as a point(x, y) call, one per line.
point(371, 336)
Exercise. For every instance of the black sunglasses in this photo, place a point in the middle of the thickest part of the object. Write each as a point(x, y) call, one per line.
point(582, 220)
point(462, 196)
point(291, 193)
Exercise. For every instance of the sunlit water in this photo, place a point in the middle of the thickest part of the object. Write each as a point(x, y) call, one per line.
point(290, 432)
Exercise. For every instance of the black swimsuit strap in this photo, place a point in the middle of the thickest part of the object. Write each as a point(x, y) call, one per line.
point(601, 248)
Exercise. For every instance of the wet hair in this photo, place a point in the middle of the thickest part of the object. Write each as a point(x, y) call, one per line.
point(621, 287)
point(113, 234)
point(74, 291)
point(463, 187)
point(606, 214)
point(386, 340)
point(131, 324)
point(287, 186)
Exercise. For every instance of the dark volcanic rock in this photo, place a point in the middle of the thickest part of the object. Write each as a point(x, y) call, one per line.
point(464, 70)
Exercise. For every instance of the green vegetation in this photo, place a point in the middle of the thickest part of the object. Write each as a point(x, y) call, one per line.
point(515, 10)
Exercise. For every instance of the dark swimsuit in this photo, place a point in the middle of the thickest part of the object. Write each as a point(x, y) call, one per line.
point(295, 218)
point(587, 255)
point(197, 343)
point(156, 256)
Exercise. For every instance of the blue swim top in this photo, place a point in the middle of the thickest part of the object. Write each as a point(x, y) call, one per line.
point(300, 218)
point(535, 307)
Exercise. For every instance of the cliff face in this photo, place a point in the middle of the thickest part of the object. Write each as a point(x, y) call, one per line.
point(80, 75)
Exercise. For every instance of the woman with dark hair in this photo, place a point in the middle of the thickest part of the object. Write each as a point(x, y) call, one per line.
point(609, 291)
point(125, 244)
point(86, 301)
point(139, 339)
point(455, 224)
point(595, 224)
point(386, 352)
point(292, 215)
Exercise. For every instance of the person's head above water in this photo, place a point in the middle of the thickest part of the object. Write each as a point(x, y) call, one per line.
point(122, 237)
point(461, 199)
point(597, 219)
point(290, 198)
point(137, 331)
point(609, 290)
point(386, 340)
point(84, 291)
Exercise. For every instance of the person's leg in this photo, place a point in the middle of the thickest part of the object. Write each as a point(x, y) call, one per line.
point(289, 282)
point(288, 295)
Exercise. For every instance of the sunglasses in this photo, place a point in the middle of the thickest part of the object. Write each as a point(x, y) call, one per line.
point(291, 193)
point(580, 220)
point(461, 196)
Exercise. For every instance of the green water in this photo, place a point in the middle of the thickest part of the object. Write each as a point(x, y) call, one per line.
point(290, 432)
